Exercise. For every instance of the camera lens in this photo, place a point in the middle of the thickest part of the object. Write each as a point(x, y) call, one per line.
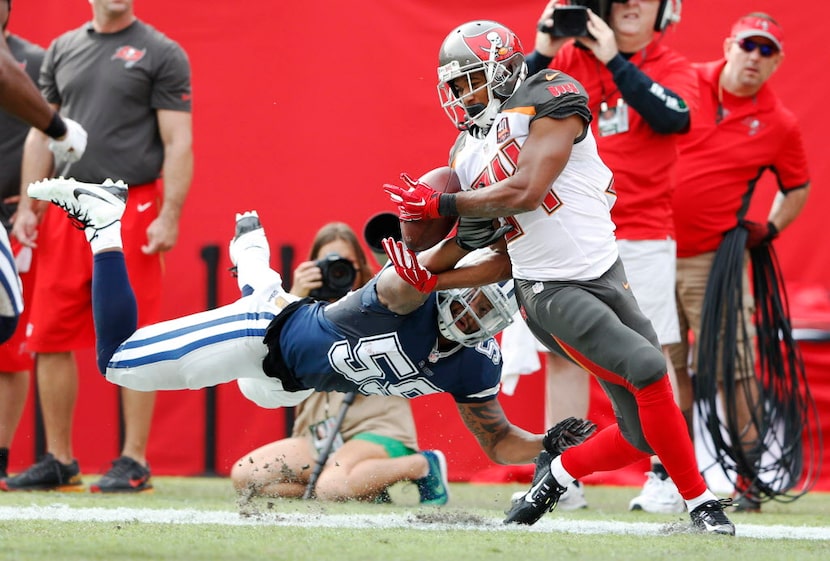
point(341, 274)
point(338, 277)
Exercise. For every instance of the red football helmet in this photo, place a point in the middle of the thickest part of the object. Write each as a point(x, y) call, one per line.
point(479, 46)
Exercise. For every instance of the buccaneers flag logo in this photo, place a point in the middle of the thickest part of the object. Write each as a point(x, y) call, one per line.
point(494, 44)
point(130, 55)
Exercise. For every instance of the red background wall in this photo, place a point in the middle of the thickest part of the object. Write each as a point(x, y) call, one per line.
point(303, 110)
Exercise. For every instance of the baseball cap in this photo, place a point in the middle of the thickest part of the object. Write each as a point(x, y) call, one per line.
point(757, 26)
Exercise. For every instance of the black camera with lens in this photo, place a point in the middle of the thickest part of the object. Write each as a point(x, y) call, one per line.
point(571, 20)
point(338, 277)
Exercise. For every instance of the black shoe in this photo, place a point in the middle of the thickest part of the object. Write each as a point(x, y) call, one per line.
point(711, 519)
point(746, 502)
point(747, 497)
point(542, 496)
point(48, 474)
point(125, 476)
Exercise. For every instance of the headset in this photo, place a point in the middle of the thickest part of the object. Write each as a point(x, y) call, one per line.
point(667, 14)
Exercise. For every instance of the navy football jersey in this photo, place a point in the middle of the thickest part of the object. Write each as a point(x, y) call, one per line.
point(356, 344)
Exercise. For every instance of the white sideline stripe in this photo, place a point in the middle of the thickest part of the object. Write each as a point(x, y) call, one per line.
point(419, 521)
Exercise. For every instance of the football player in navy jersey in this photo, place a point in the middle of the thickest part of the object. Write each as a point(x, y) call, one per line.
point(526, 154)
point(385, 338)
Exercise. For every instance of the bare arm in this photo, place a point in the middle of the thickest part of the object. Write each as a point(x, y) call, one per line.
point(503, 442)
point(19, 95)
point(490, 266)
point(38, 163)
point(544, 155)
point(787, 206)
point(401, 297)
point(175, 128)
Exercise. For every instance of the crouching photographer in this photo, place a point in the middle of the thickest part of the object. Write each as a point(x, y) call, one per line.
point(343, 446)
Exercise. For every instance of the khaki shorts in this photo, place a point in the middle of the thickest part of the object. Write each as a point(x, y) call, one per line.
point(692, 276)
point(651, 266)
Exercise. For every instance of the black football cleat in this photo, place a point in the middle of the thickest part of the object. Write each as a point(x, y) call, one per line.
point(711, 519)
point(542, 496)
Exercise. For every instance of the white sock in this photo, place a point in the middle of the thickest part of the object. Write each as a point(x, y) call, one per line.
point(107, 237)
point(707, 496)
point(560, 474)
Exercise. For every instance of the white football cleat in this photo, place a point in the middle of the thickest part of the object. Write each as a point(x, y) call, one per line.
point(89, 206)
point(573, 498)
point(658, 495)
point(249, 234)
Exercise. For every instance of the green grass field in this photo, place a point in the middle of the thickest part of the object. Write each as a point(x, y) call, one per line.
point(201, 518)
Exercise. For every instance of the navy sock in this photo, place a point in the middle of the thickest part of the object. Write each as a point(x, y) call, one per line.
point(113, 304)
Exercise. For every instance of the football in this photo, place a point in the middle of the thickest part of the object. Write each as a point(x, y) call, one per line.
point(423, 234)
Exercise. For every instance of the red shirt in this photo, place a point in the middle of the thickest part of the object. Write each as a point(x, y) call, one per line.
point(720, 163)
point(641, 159)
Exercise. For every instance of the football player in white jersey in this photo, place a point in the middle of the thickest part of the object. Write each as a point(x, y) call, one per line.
point(526, 154)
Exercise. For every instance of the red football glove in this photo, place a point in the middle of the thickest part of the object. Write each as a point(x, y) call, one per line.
point(417, 202)
point(407, 266)
point(759, 234)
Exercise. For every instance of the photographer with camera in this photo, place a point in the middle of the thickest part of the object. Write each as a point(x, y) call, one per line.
point(337, 265)
point(641, 94)
point(376, 442)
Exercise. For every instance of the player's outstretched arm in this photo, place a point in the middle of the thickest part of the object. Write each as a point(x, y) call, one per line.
point(502, 441)
point(404, 286)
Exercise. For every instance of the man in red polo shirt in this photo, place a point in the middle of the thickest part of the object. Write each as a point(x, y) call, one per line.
point(741, 130)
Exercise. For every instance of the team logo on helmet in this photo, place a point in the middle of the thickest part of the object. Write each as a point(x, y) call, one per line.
point(130, 55)
point(496, 41)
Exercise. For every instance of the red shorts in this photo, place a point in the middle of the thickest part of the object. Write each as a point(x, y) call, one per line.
point(61, 304)
point(14, 354)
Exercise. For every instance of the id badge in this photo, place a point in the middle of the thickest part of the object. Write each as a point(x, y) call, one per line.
point(613, 120)
point(321, 430)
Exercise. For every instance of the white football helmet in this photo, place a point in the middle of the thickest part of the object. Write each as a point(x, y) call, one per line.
point(479, 46)
point(471, 315)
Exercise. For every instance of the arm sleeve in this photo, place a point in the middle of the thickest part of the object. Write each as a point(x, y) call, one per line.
point(536, 61)
point(664, 111)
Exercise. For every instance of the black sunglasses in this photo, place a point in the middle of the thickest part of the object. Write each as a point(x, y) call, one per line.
point(748, 45)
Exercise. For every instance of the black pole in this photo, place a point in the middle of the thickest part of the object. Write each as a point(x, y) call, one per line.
point(40, 431)
point(325, 451)
point(286, 271)
point(210, 255)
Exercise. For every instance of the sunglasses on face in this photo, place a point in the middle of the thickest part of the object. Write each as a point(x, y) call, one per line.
point(748, 45)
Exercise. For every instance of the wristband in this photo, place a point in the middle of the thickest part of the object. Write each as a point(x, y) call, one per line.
point(447, 205)
point(772, 231)
point(56, 128)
